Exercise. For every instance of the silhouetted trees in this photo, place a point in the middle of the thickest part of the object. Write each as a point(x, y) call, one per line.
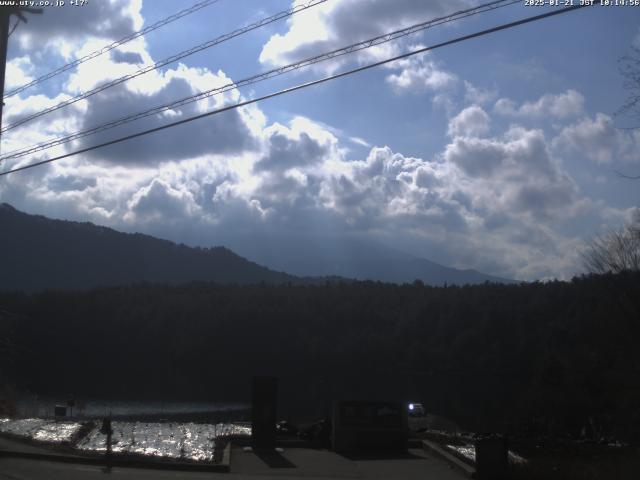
point(535, 358)
point(615, 251)
point(630, 71)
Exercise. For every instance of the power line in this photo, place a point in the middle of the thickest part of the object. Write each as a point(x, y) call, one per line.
point(304, 85)
point(167, 61)
point(13, 29)
point(111, 46)
point(264, 76)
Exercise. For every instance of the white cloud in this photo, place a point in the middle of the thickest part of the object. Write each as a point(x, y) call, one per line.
point(514, 174)
point(458, 212)
point(305, 144)
point(340, 23)
point(19, 71)
point(497, 196)
point(504, 106)
point(106, 19)
point(418, 74)
point(54, 124)
point(160, 201)
point(487, 203)
point(476, 156)
point(232, 131)
point(478, 95)
point(599, 140)
point(360, 141)
point(472, 121)
point(564, 105)
point(489, 199)
point(105, 68)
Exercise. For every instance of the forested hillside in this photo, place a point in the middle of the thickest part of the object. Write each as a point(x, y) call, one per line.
point(37, 252)
point(540, 357)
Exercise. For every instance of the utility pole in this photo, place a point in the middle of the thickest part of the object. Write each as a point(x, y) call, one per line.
point(5, 20)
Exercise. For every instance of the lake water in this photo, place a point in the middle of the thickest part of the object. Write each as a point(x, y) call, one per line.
point(40, 429)
point(170, 440)
point(185, 441)
point(43, 407)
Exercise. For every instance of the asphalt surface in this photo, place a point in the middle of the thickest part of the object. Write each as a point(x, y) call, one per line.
point(22, 469)
point(293, 463)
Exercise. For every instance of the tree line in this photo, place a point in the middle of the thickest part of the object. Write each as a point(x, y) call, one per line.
point(538, 358)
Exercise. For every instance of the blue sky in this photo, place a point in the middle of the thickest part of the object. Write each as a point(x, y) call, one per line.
point(498, 154)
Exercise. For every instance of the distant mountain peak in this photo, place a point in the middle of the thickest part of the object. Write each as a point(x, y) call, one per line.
point(41, 253)
point(356, 257)
point(38, 253)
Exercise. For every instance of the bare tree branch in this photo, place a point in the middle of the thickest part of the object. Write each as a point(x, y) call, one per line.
point(629, 66)
point(615, 251)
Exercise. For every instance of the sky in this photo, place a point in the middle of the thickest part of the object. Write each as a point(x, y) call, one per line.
point(500, 153)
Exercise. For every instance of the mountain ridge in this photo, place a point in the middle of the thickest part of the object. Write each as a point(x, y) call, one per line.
point(48, 253)
point(42, 253)
point(354, 257)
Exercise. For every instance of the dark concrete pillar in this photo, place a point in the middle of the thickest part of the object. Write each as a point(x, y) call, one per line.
point(491, 458)
point(263, 412)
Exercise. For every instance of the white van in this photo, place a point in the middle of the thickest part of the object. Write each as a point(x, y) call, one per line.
point(416, 410)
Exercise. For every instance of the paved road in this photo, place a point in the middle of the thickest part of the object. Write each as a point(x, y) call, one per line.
point(294, 463)
point(21, 469)
point(27, 447)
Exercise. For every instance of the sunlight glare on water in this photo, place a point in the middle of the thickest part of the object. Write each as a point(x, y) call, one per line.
point(187, 441)
point(184, 441)
point(41, 429)
point(469, 452)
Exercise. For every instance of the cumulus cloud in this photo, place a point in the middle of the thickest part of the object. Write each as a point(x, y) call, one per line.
point(516, 173)
point(17, 108)
point(417, 74)
point(472, 121)
point(490, 220)
point(54, 124)
point(563, 105)
point(481, 202)
point(230, 132)
point(303, 145)
point(478, 95)
point(65, 183)
point(476, 156)
point(489, 198)
point(19, 71)
point(160, 201)
point(599, 140)
point(337, 24)
point(493, 195)
point(126, 57)
point(224, 133)
point(62, 32)
point(61, 28)
point(389, 187)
